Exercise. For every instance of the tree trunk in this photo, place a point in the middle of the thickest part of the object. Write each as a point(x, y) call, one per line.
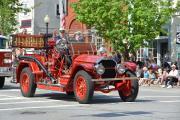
point(126, 55)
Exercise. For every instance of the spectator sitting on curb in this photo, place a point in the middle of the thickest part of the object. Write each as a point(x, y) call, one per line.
point(144, 80)
point(172, 77)
point(152, 76)
point(162, 76)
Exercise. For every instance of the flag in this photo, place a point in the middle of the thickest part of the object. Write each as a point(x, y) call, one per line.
point(62, 14)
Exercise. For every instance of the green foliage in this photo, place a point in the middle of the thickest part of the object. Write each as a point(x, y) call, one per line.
point(126, 23)
point(8, 13)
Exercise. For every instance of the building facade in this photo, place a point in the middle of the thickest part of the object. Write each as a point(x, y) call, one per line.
point(33, 21)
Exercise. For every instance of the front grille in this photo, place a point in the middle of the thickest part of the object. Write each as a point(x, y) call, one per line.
point(110, 66)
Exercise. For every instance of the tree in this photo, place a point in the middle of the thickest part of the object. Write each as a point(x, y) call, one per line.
point(126, 23)
point(8, 13)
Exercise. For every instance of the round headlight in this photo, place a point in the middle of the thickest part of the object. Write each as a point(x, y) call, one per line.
point(120, 69)
point(99, 69)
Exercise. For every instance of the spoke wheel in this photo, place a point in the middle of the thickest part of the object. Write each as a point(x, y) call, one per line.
point(130, 90)
point(27, 83)
point(83, 87)
point(2, 80)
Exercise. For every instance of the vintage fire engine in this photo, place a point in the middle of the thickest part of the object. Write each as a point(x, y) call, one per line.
point(73, 68)
point(5, 60)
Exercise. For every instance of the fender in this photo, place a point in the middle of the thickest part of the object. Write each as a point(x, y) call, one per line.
point(22, 64)
point(88, 67)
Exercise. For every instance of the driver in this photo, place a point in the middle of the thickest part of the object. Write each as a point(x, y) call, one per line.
point(62, 48)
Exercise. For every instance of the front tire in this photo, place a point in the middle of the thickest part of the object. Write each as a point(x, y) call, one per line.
point(2, 80)
point(27, 83)
point(83, 87)
point(130, 91)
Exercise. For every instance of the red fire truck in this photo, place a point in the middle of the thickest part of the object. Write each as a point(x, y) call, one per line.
point(73, 68)
point(5, 60)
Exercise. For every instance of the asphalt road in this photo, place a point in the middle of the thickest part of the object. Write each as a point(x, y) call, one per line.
point(153, 103)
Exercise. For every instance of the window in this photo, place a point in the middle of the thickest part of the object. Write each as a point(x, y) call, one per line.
point(178, 34)
point(65, 7)
point(25, 23)
point(57, 10)
point(25, 7)
point(178, 28)
point(2, 43)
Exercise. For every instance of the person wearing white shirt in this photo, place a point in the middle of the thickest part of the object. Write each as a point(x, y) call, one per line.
point(172, 77)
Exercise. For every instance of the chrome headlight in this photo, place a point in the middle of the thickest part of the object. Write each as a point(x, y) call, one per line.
point(120, 69)
point(7, 61)
point(99, 69)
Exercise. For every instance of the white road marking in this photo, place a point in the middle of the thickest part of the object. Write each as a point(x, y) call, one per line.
point(28, 102)
point(13, 98)
point(173, 101)
point(159, 97)
point(40, 107)
point(4, 95)
point(8, 96)
point(139, 97)
point(156, 101)
point(15, 90)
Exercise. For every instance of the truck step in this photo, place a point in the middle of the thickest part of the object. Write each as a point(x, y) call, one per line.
point(55, 85)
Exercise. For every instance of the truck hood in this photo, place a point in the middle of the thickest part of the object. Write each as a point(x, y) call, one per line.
point(88, 58)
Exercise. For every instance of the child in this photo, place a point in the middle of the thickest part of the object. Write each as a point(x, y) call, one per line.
point(145, 78)
point(162, 76)
point(152, 77)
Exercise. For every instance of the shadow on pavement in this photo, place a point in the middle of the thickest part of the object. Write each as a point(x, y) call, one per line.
point(97, 99)
point(57, 96)
point(8, 87)
point(116, 114)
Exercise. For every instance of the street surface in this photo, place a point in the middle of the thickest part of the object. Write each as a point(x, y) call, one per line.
point(153, 103)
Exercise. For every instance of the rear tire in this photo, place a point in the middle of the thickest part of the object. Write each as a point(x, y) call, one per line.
point(134, 88)
point(83, 87)
point(2, 80)
point(27, 83)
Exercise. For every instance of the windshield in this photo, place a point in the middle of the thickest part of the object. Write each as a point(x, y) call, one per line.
point(2, 43)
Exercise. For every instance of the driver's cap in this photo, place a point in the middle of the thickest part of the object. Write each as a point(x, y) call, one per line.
point(61, 29)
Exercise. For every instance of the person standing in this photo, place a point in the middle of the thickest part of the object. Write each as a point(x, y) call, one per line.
point(56, 35)
point(117, 57)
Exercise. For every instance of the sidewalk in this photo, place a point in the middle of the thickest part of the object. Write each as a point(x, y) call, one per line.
point(159, 86)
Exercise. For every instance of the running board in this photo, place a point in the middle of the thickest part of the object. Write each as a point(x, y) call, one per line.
point(53, 87)
point(115, 79)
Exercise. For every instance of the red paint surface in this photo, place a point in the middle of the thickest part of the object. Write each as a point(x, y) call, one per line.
point(5, 55)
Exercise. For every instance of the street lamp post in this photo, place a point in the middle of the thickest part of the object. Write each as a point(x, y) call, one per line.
point(46, 21)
